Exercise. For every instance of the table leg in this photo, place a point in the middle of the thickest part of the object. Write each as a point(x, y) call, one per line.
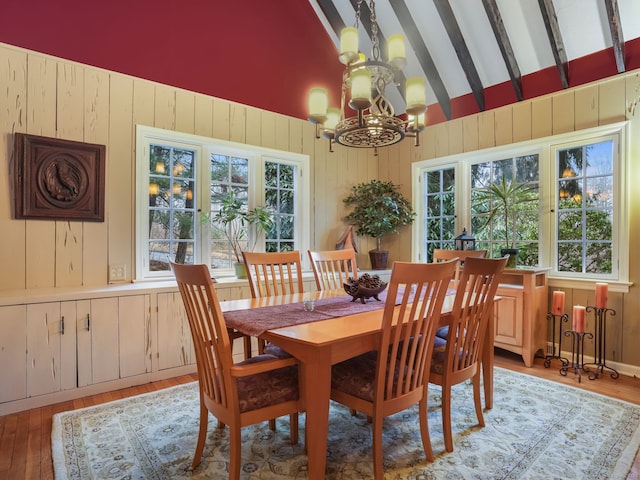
point(487, 362)
point(316, 391)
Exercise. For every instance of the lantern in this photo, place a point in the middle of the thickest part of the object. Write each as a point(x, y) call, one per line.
point(464, 241)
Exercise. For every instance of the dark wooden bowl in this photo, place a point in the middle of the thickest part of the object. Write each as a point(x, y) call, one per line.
point(361, 292)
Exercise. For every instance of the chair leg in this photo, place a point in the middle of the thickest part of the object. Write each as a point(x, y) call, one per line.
point(272, 424)
point(446, 418)
point(202, 435)
point(247, 347)
point(235, 446)
point(293, 428)
point(476, 398)
point(378, 469)
point(424, 428)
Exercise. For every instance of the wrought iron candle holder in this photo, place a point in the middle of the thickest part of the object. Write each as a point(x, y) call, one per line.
point(600, 356)
point(577, 353)
point(556, 353)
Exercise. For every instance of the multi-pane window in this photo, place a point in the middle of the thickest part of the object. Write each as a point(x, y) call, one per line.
point(172, 214)
point(570, 221)
point(439, 208)
point(280, 195)
point(228, 173)
point(181, 180)
point(519, 225)
point(585, 199)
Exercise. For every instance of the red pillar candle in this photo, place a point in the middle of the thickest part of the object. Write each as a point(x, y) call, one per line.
point(557, 306)
point(602, 291)
point(579, 318)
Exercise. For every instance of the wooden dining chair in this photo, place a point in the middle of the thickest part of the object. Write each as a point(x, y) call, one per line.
point(261, 388)
point(444, 255)
point(394, 376)
point(273, 273)
point(457, 357)
point(333, 268)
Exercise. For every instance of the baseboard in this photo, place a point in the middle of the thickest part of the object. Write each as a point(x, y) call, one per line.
point(622, 368)
point(66, 395)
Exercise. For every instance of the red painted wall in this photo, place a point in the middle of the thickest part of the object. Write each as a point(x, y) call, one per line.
point(265, 53)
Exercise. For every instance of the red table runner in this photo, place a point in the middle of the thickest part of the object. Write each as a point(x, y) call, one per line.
point(255, 321)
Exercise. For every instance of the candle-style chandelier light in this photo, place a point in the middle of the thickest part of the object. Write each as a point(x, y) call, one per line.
point(375, 124)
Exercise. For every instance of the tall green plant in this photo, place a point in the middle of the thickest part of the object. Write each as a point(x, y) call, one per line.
point(505, 199)
point(236, 219)
point(378, 209)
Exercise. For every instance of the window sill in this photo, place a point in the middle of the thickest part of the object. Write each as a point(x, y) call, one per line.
point(578, 284)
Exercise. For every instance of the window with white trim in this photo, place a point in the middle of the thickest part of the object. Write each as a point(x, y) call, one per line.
point(180, 181)
point(575, 228)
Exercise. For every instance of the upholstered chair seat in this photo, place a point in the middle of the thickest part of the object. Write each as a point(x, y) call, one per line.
point(267, 388)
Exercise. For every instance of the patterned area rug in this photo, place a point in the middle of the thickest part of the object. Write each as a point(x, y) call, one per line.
point(536, 430)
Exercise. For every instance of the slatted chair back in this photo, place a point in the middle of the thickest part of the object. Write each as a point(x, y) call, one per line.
point(444, 255)
point(273, 273)
point(394, 376)
point(236, 394)
point(456, 358)
point(333, 268)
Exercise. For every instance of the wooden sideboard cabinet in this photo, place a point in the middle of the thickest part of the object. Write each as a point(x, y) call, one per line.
point(521, 313)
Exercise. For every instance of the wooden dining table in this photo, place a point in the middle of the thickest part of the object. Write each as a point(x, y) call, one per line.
point(335, 330)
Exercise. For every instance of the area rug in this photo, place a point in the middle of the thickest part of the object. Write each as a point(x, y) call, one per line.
point(537, 430)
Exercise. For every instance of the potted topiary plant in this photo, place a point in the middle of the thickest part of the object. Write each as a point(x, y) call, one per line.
point(236, 219)
point(378, 209)
point(504, 200)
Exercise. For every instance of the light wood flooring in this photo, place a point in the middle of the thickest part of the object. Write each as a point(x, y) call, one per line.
point(25, 437)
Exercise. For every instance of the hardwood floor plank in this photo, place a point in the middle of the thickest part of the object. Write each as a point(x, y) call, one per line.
point(34, 445)
point(20, 449)
point(7, 443)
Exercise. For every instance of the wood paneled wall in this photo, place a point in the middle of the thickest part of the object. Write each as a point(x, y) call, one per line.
point(48, 96)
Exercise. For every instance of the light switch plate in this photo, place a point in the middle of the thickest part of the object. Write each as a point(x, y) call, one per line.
point(117, 273)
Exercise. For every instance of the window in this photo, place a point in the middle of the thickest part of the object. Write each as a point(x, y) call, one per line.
point(439, 206)
point(180, 181)
point(585, 199)
point(571, 222)
point(519, 227)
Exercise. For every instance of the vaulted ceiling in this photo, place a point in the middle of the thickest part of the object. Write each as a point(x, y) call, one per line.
point(478, 54)
point(475, 54)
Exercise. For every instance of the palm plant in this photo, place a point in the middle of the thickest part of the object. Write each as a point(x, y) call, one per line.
point(236, 219)
point(504, 200)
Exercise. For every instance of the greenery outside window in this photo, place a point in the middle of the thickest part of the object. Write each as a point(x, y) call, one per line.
point(585, 199)
point(439, 208)
point(576, 227)
point(180, 181)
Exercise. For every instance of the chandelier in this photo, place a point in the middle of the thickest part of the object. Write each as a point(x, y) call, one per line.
point(375, 123)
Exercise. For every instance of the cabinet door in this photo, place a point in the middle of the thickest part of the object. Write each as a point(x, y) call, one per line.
point(68, 346)
point(509, 316)
point(134, 335)
point(175, 346)
point(98, 355)
point(44, 331)
point(13, 347)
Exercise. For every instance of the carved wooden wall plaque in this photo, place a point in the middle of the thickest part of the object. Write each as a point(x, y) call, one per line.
point(58, 179)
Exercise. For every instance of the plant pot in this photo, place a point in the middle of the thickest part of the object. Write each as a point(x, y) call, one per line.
point(241, 270)
point(378, 259)
point(513, 254)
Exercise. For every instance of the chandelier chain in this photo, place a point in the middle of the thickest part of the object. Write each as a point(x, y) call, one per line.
point(357, 23)
point(375, 49)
